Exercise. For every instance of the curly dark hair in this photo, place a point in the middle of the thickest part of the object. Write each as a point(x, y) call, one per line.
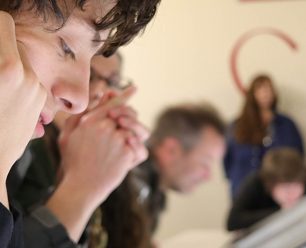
point(125, 20)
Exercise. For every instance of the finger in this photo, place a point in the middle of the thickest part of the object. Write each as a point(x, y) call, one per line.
point(8, 44)
point(120, 98)
point(140, 131)
point(70, 124)
point(139, 150)
point(114, 100)
point(100, 101)
point(122, 111)
point(28, 70)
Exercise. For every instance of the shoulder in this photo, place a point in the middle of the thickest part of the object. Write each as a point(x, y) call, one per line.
point(252, 184)
point(283, 119)
point(253, 179)
point(11, 227)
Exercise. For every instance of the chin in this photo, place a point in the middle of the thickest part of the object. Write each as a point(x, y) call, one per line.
point(36, 136)
point(187, 190)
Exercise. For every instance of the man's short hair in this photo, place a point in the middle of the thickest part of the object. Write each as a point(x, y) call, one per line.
point(282, 165)
point(125, 20)
point(185, 123)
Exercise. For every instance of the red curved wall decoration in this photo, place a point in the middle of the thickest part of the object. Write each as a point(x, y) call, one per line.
point(244, 39)
point(264, 1)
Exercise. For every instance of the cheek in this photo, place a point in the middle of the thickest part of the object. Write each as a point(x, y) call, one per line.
point(277, 194)
point(43, 63)
point(195, 171)
point(217, 151)
point(297, 193)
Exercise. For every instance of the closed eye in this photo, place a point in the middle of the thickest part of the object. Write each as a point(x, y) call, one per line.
point(66, 49)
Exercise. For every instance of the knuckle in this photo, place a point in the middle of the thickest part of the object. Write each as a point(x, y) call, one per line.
point(84, 121)
point(11, 70)
point(133, 111)
point(106, 126)
point(146, 134)
point(6, 16)
point(31, 77)
point(145, 154)
point(118, 138)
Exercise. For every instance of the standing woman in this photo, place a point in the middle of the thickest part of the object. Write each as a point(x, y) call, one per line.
point(259, 128)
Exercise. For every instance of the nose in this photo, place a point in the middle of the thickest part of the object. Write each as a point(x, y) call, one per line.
point(72, 94)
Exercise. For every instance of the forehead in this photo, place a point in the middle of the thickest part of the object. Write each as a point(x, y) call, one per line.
point(83, 20)
point(92, 12)
point(209, 138)
point(95, 10)
point(264, 85)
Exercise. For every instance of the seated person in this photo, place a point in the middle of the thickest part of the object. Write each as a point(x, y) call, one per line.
point(185, 142)
point(279, 184)
point(35, 180)
point(46, 49)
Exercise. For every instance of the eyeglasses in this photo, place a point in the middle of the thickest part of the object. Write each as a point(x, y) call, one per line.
point(115, 82)
point(112, 82)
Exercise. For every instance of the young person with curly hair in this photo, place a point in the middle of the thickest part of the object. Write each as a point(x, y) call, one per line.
point(45, 50)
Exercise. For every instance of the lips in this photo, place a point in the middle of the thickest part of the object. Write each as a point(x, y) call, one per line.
point(45, 119)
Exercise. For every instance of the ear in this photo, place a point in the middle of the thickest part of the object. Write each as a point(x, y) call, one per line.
point(170, 150)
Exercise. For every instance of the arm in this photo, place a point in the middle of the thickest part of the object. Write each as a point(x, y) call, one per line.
point(42, 229)
point(21, 100)
point(6, 226)
point(96, 156)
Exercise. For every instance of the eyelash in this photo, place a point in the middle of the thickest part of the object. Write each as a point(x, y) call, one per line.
point(66, 49)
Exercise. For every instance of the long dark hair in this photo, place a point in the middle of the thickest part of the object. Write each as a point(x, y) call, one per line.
point(250, 128)
point(124, 219)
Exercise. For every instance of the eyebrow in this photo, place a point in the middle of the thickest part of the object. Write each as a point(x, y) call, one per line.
point(96, 40)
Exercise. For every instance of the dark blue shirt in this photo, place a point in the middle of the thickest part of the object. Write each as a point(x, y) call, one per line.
point(242, 159)
point(10, 228)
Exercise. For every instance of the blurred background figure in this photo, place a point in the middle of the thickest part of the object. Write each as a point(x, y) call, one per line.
point(279, 184)
point(185, 142)
point(259, 128)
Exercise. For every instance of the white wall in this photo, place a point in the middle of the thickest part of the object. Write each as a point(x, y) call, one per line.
point(185, 54)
